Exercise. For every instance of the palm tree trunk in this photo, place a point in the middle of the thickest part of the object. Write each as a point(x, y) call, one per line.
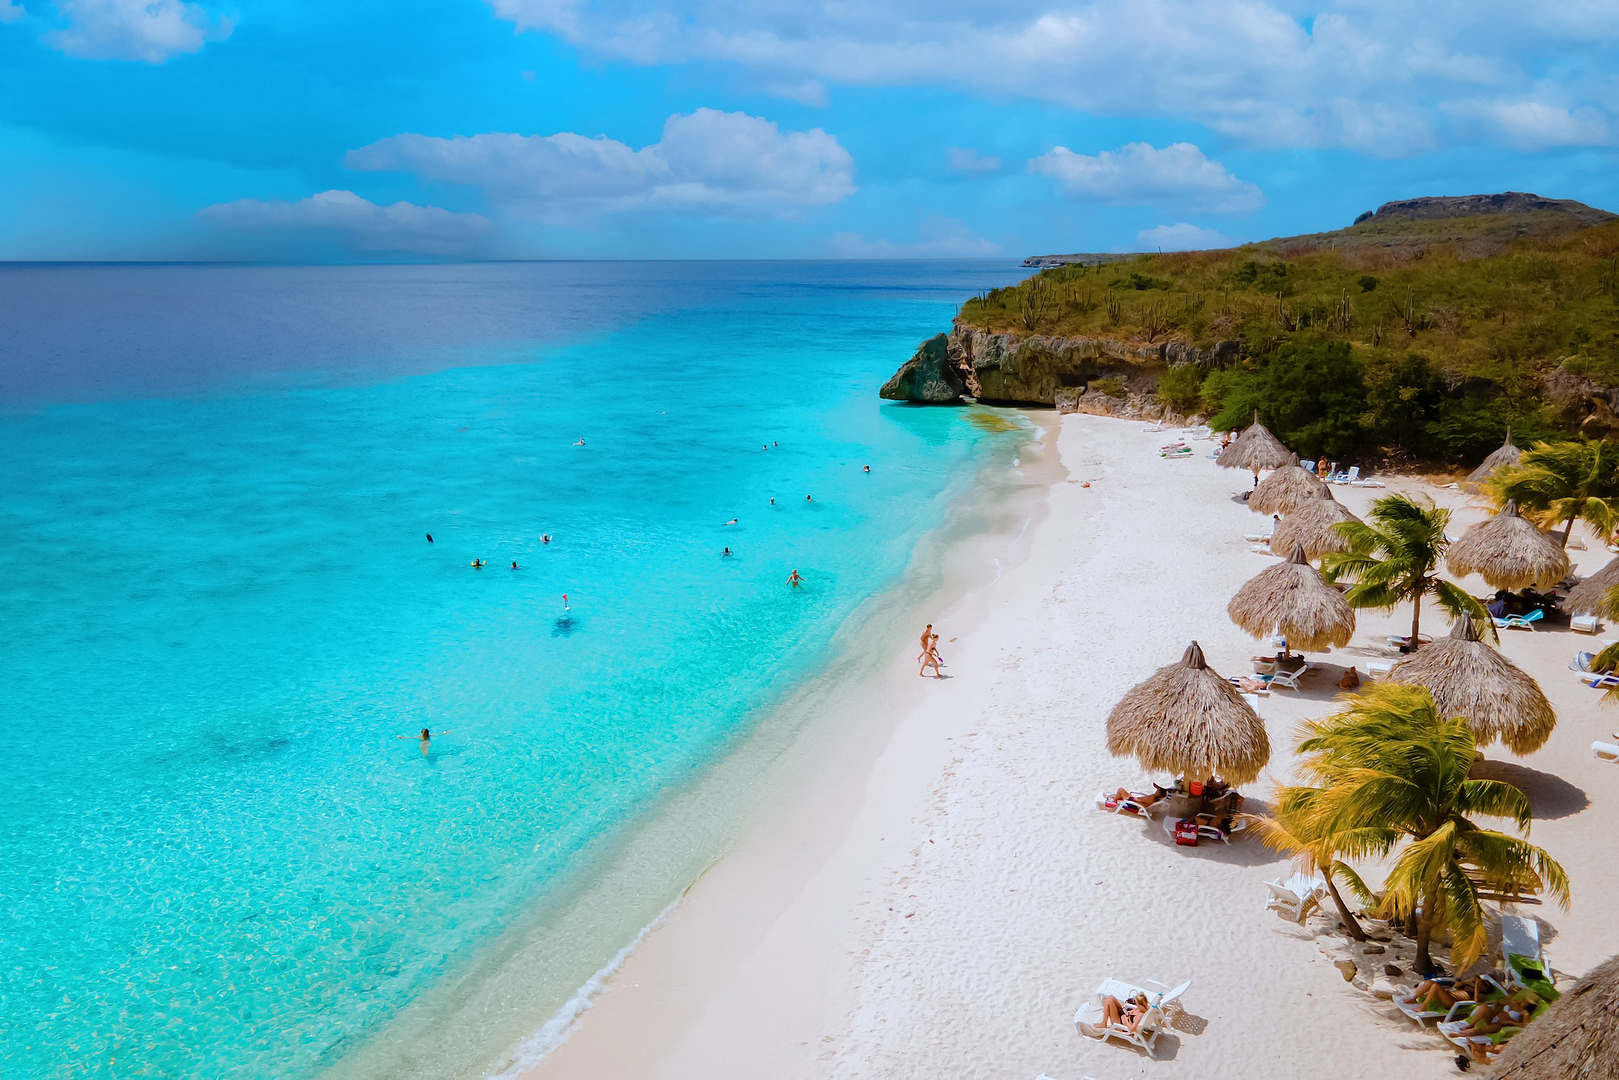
point(1567, 529)
point(1424, 933)
point(1351, 923)
point(1416, 616)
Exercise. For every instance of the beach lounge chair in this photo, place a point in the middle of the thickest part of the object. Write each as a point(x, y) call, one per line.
point(1521, 953)
point(1255, 537)
point(1605, 751)
point(1494, 991)
point(1599, 680)
point(1089, 1018)
point(1582, 661)
point(1348, 477)
point(1296, 897)
point(1375, 668)
point(1288, 679)
point(1520, 622)
point(1112, 805)
point(1585, 624)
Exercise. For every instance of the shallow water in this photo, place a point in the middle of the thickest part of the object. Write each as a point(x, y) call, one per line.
point(222, 611)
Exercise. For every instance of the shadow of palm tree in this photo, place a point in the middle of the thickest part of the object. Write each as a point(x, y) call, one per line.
point(1550, 796)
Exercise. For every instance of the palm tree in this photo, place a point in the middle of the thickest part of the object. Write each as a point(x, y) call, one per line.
point(1396, 558)
point(1294, 831)
point(1389, 773)
point(1565, 482)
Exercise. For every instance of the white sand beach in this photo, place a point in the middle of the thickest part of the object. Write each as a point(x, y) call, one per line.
point(938, 895)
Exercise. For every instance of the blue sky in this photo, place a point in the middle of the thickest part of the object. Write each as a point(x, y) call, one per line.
point(357, 129)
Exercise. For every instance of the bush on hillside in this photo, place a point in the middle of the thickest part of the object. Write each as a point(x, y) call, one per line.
point(1179, 388)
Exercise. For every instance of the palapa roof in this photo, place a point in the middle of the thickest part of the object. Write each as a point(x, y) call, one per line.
point(1590, 597)
point(1186, 720)
point(1508, 552)
point(1310, 525)
point(1505, 454)
point(1468, 678)
point(1283, 489)
point(1576, 1039)
point(1256, 448)
point(1292, 599)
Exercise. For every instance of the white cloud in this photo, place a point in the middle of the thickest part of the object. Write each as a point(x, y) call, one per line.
point(1140, 173)
point(709, 161)
point(1366, 74)
point(1181, 237)
point(11, 12)
point(939, 238)
point(1537, 125)
point(146, 30)
point(964, 160)
point(360, 224)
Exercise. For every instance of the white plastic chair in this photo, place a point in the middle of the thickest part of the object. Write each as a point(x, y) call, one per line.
point(1296, 897)
point(1520, 938)
point(1089, 1018)
point(1605, 751)
point(1289, 679)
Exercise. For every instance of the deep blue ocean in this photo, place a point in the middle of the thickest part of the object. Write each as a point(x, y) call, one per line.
point(221, 609)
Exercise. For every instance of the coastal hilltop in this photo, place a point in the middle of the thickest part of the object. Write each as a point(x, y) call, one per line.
point(1447, 318)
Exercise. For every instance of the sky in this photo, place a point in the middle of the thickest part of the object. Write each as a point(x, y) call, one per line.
point(357, 130)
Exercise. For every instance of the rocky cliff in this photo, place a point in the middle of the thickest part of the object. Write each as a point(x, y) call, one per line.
point(1035, 369)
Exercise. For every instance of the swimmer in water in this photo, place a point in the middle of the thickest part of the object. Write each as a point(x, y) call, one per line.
point(514, 564)
point(546, 539)
point(581, 441)
point(429, 538)
point(565, 602)
point(731, 522)
point(808, 499)
point(794, 580)
point(772, 444)
point(772, 500)
point(727, 553)
point(477, 564)
point(426, 738)
point(868, 468)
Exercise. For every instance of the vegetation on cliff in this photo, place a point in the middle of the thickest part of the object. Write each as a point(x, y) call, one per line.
point(1419, 337)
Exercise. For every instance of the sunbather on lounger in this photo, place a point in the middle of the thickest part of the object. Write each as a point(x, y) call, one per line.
point(1492, 1016)
point(1139, 799)
point(1436, 996)
point(1126, 1014)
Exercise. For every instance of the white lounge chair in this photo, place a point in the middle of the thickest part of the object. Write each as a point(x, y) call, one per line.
point(1296, 897)
point(1606, 751)
point(1375, 668)
point(1419, 1015)
point(1090, 1018)
point(1521, 954)
point(1111, 805)
point(1288, 679)
point(1585, 624)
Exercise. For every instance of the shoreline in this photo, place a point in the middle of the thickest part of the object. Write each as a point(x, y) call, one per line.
point(943, 910)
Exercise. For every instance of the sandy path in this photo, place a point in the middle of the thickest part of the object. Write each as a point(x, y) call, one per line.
point(942, 894)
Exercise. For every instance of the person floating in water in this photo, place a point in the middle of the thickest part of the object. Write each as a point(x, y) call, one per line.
point(477, 564)
point(794, 580)
point(514, 564)
point(772, 500)
point(426, 738)
point(545, 539)
point(581, 441)
point(868, 468)
point(727, 553)
point(809, 498)
point(773, 444)
point(429, 538)
point(565, 606)
point(731, 522)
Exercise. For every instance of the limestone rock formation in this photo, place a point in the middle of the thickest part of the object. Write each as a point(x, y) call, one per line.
point(928, 376)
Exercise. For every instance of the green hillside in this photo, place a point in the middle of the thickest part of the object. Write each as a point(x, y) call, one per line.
point(1418, 334)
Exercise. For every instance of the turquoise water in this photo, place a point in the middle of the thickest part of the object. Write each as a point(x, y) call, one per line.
point(221, 610)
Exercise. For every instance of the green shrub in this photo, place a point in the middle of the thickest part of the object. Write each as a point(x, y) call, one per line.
point(1111, 385)
point(1403, 396)
point(1311, 395)
point(1367, 283)
point(1180, 387)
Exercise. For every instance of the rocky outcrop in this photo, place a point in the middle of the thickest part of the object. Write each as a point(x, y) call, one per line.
point(1506, 202)
point(928, 376)
point(1583, 400)
point(1036, 369)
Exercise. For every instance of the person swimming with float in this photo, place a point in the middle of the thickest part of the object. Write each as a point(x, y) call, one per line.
point(545, 538)
point(727, 553)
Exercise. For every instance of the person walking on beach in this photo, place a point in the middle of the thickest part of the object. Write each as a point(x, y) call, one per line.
point(930, 643)
point(794, 580)
point(930, 654)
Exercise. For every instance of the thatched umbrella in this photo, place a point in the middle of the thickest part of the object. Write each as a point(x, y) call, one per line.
point(1468, 678)
point(1508, 552)
point(1293, 599)
point(1589, 597)
point(1507, 454)
point(1576, 1039)
point(1186, 720)
point(1310, 526)
point(1284, 489)
point(1256, 448)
